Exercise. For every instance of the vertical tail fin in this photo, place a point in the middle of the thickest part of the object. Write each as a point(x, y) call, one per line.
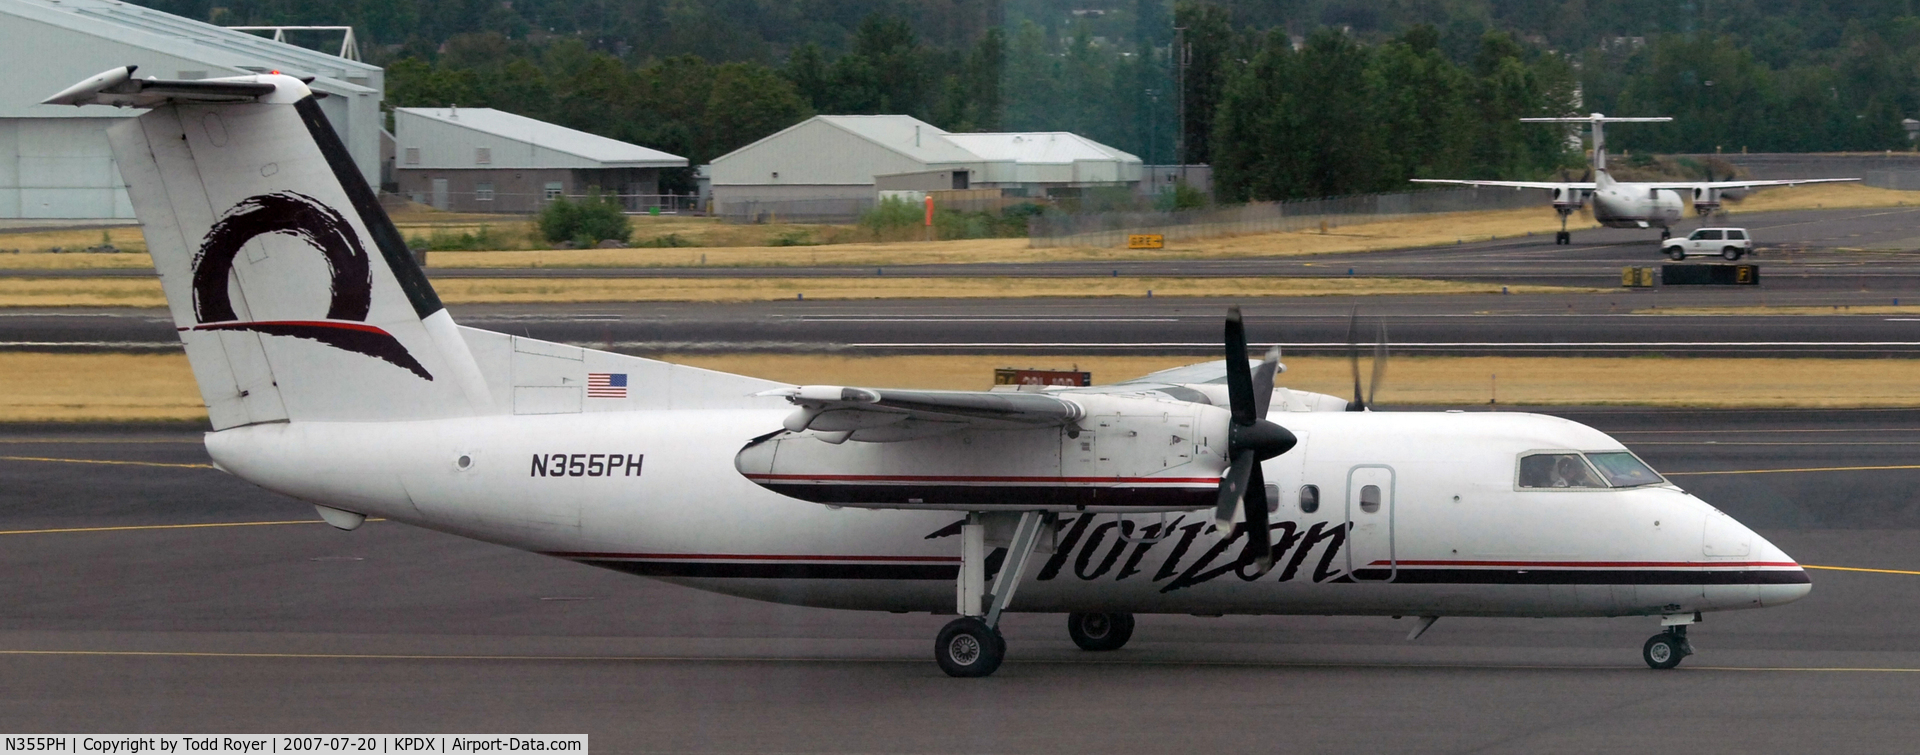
point(294, 294)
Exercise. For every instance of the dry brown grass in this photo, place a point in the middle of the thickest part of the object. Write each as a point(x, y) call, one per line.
point(97, 388)
point(1818, 196)
point(81, 292)
point(126, 237)
point(66, 387)
point(1448, 381)
point(724, 245)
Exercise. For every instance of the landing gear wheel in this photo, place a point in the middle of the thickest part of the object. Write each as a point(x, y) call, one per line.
point(1664, 650)
point(1100, 631)
point(1665, 234)
point(1731, 253)
point(1676, 254)
point(1563, 238)
point(967, 647)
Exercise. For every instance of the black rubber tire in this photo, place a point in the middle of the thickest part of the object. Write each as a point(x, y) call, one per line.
point(1663, 651)
point(1676, 254)
point(1730, 253)
point(1100, 631)
point(967, 647)
point(1563, 238)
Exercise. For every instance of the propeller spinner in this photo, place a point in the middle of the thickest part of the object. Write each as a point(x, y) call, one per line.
point(1251, 439)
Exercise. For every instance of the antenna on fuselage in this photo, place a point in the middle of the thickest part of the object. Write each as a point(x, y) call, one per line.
point(1598, 121)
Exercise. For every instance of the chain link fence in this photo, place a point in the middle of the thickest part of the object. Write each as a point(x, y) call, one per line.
point(1109, 229)
point(842, 210)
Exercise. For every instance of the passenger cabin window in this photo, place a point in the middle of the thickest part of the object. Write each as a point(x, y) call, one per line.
point(1273, 498)
point(1563, 470)
point(1309, 498)
point(1706, 236)
point(1624, 470)
point(1736, 235)
point(1370, 498)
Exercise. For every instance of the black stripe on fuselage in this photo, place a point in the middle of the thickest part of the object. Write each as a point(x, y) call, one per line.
point(778, 570)
point(998, 495)
point(948, 572)
point(1420, 576)
point(392, 247)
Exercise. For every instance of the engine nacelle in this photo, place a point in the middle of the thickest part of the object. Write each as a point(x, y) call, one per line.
point(1569, 198)
point(1706, 200)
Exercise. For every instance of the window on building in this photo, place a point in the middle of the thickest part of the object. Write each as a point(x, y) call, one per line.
point(553, 191)
point(413, 155)
point(483, 155)
point(483, 192)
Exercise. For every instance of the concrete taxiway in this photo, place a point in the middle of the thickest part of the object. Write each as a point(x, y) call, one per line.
point(147, 592)
point(1626, 323)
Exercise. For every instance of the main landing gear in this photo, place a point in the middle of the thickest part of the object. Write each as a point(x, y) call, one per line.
point(1563, 238)
point(1664, 650)
point(1100, 631)
point(971, 645)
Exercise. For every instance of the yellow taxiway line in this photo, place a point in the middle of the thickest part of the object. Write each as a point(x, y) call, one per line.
point(1856, 568)
point(132, 527)
point(107, 461)
point(1800, 469)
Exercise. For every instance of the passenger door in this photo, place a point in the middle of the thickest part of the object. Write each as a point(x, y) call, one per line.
point(1370, 548)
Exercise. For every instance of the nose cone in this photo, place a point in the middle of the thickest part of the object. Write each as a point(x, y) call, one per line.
point(1784, 580)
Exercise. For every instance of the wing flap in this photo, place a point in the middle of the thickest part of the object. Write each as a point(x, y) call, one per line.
point(880, 415)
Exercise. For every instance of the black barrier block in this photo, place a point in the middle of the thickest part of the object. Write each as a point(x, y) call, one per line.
point(1709, 275)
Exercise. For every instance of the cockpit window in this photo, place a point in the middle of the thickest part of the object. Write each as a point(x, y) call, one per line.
point(1557, 470)
point(1623, 470)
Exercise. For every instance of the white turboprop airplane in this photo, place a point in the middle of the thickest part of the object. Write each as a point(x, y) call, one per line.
point(332, 374)
point(1637, 204)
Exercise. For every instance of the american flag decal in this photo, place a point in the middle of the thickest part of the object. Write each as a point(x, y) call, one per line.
point(606, 385)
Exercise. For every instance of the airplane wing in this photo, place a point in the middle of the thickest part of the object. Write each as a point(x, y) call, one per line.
point(887, 414)
point(1203, 372)
point(1548, 185)
point(1743, 184)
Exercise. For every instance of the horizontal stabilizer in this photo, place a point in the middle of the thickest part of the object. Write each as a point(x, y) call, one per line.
point(118, 87)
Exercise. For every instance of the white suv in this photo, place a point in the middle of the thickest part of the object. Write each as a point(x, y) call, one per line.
point(1731, 243)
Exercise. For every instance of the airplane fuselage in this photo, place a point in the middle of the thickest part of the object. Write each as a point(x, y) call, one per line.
point(657, 494)
point(1629, 205)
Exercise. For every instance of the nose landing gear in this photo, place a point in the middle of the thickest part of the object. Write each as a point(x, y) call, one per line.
point(1666, 649)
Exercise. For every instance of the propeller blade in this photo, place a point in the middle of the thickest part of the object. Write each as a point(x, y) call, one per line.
point(1353, 359)
point(1259, 537)
point(1379, 362)
point(1233, 488)
point(1240, 394)
point(1263, 382)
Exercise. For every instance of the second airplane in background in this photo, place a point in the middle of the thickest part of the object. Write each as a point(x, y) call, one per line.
point(1629, 204)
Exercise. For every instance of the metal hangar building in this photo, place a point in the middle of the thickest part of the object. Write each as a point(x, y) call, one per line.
point(54, 159)
point(486, 160)
point(846, 159)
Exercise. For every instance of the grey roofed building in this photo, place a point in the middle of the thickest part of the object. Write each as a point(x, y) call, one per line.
point(54, 159)
point(486, 160)
point(834, 165)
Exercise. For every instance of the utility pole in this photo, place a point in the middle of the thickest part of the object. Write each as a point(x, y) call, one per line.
point(1181, 54)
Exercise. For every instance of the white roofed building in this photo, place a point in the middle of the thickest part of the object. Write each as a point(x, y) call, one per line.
point(835, 165)
point(54, 159)
point(486, 160)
